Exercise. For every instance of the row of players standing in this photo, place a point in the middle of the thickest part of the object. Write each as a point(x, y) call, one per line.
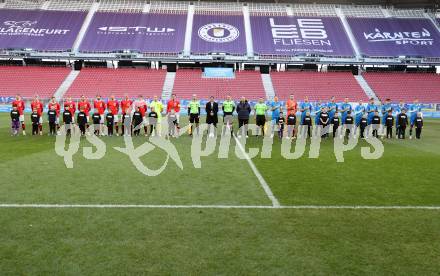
point(135, 113)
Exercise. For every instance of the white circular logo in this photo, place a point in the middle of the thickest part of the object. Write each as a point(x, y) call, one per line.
point(218, 33)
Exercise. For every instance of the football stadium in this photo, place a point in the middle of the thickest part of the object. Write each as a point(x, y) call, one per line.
point(219, 138)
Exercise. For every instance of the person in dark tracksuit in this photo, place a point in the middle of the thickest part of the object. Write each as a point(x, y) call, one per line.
point(335, 121)
point(243, 113)
point(307, 123)
point(281, 122)
point(402, 120)
point(67, 119)
point(15, 121)
point(35, 118)
point(419, 125)
point(52, 119)
point(363, 123)
point(375, 121)
point(349, 124)
point(324, 120)
point(81, 119)
point(136, 121)
point(211, 109)
point(389, 123)
point(96, 119)
point(126, 123)
point(291, 124)
point(110, 120)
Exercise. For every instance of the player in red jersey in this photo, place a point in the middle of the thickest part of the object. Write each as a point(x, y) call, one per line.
point(37, 105)
point(126, 104)
point(19, 103)
point(56, 106)
point(99, 106)
point(113, 108)
point(142, 105)
point(291, 105)
point(72, 107)
point(85, 106)
point(174, 105)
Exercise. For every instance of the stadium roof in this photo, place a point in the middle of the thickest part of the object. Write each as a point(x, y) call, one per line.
point(429, 4)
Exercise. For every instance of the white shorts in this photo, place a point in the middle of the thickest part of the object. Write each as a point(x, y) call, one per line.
point(145, 121)
point(22, 118)
point(41, 120)
point(57, 120)
point(101, 121)
point(178, 117)
point(73, 119)
point(116, 118)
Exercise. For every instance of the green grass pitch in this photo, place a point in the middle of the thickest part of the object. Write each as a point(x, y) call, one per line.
point(212, 241)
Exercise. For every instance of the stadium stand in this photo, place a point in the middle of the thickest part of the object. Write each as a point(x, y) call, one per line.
point(245, 83)
point(22, 4)
point(70, 5)
point(30, 81)
point(405, 86)
point(363, 11)
point(317, 86)
point(117, 82)
point(313, 10)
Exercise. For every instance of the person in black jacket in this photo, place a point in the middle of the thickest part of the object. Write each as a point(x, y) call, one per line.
point(15, 120)
point(349, 124)
point(389, 123)
point(363, 125)
point(136, 121)
point(243, 112)
point(96, 119)
point(35, 118)
point(402, 121)
point(126, 123)
point(52, 119)
point(307, 122)
point(335, 122)
point(211, 109)
point(81, 118)
point(110, 119)
point(376, 124)
point(67, 119)
point(419, 125)
point(324, 120)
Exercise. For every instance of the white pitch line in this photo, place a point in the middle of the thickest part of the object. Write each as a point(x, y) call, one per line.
point(150, 206)
point(266, 188)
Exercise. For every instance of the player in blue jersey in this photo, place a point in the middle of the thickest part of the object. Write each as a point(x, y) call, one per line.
point(359, 111)
point(276, 108)
point(317, 109)
point(397, 110)
point(371, 108)
point(304, 108)
point(413, 110)
point(332, 108)
point(345, 107)
point(386, 108)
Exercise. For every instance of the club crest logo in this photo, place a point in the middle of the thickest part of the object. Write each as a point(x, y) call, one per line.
point(20, 24)
point(218, 33)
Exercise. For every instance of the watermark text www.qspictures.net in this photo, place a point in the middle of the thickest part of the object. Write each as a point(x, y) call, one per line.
point(204, 144)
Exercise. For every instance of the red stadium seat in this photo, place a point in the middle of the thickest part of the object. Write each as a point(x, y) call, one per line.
point(245, 83)
point(317, 86)
point(30, 81)
point(405, 86)
point(117, 82)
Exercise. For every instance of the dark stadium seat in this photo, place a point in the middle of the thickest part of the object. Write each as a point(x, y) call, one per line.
point(30, 81)
point(245, 83)
point(405, 86)
point(118, 82)
point(317, 86)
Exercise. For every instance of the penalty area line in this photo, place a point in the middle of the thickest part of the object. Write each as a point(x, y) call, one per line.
point(150, 206)
point(263, 183)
